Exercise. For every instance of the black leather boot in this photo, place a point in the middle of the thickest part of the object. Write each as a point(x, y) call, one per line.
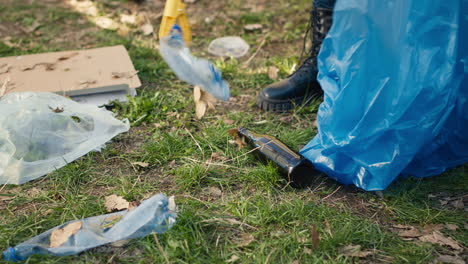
point(301, 86)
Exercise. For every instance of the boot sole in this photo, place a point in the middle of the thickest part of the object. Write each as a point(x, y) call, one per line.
point(271, 105)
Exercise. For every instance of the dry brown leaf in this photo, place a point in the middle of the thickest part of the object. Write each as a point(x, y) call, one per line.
point(245, 240)
point(253, 27)
point(140, 164)
point(354, 251)
point(273, 72)
point(123, 31)
point(128, 19)
point(106, 23)
point(458, 204)
point(208, 99)
point(116, 203)
point(197, 93)
point(451, 227)
point(233, 258)
point(438, 238)
point(61, 235)
point(33, 27)
point(450, 259)
point(228, 121)
point(215, 191)
point(147, 29)
point(200, 109)
point(315, 237)
point(171, 205)
point(308, 251)
point(411, 233)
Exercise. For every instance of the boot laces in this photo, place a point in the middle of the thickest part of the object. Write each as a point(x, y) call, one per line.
point(317, 29)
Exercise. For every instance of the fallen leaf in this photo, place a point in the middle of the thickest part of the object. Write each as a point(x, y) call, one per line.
point(128, 19)
point(200, 109)
point(438, 238)
point(106, 23)
point(61, 235)
point(238, 140)
point(116, 203)
point(354, 251)
point(458, 204)
point(218, 156)
point(450, 259)
point(172, 164)
point(245, 240)
point(140, 164)
point(196, 93)
point(228, 121)
point(315, 237)
point(308, 251)
point(208, 99)
point(123, 31)
point(273, 72)
point(172, 204)
point(253, 27)
point(34, 192)
point(147, 29)
point(215, 191)
point(412, 233)
point(33, 27)
point(451, 227)
point(233, 258)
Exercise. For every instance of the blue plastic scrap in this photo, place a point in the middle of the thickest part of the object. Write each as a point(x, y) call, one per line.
point(193, 70)
point(395, 78)
point(152, 215)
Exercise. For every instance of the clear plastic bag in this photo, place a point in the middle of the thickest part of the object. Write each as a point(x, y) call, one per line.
point(229, 47)
point(394, 75)
point(152, 215)
point(191, 69)
point(41, 132)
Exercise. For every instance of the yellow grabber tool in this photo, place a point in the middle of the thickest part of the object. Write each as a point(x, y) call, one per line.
point(174, 13)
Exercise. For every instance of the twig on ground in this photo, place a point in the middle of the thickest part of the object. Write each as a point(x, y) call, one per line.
point(257, 51)
point(331, 194)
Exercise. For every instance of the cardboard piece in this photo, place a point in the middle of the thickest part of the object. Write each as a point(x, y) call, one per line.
point(71, 73)
point(102, 99)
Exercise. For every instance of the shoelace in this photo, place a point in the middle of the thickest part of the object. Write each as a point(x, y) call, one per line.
point(319, 22)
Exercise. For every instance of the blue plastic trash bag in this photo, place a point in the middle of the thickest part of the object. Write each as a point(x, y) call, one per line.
point(152, 215)
point(191, 69)
point(395, 79)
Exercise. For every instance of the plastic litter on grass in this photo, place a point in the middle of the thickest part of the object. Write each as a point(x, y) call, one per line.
point(156, 214)
point(41, 132)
